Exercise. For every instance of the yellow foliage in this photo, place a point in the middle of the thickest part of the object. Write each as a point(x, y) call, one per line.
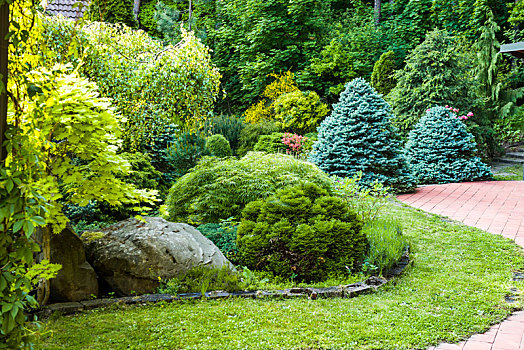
point(263, 109)
point(257, 112)
point(283, 84)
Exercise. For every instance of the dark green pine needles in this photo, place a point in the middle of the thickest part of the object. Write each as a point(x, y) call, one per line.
point(440, 150)
point(358, 136)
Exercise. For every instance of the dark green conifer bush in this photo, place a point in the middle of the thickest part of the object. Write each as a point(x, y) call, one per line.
point(358, 136)
point(271, 143)
point(112, 11)
point(440, 150)
point(186, 151)
point(230, 126)
point(301, 231)
point(218, 146)
point(220, 188)
point(383, 77)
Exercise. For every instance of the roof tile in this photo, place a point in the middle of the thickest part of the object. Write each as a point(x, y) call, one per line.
point(66, 9)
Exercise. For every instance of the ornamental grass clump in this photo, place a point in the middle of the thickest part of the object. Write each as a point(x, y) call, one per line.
point(358, 136)
point(301, 232)
point(441, 150)
point(386, 244)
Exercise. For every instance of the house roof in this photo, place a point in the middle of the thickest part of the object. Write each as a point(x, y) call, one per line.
point(73, 9)
point(516, 49)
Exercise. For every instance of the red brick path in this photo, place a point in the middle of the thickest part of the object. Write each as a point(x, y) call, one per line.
point(493, 206)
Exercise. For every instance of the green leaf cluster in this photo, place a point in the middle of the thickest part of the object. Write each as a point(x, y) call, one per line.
point(300, 231)
point(217, 189)
point(358, 136)
point(440, 150)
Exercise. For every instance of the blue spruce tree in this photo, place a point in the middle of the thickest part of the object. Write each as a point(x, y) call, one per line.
point(441, 150)
point(358, 136)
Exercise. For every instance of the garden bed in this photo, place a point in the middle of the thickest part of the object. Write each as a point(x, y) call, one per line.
point(458, 286)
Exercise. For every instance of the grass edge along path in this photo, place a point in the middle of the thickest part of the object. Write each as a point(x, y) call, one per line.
point(455, 288)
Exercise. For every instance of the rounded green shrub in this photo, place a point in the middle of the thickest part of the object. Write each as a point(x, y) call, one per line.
point(250, 134)
point(220, 188)
point(358, 136)
point(302, 232)
point(271, 143)
point(218, 146)
point(383, 77)
point(300, 112)
point(441, 150)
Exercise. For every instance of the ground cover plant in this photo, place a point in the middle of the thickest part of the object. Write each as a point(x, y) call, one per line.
point(456, 287)
point(508, 173)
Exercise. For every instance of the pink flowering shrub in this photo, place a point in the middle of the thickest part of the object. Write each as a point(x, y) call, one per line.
point(456, 111)
point(296, 144)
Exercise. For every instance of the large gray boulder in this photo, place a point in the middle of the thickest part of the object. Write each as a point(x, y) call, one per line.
point(132, 255)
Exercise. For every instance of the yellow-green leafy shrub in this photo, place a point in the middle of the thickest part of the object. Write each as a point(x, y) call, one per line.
point(263, 109)
point(300, 112)
point(220, 188)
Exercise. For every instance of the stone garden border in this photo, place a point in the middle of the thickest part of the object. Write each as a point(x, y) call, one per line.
point(345, 291)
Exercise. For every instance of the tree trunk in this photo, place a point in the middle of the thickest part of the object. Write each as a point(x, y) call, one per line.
point(377, 7)
point(4, 29)
point(190, 14)
point(43, 289)
point(136, 9)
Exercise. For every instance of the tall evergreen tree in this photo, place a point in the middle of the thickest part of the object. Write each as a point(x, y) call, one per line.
point(498, 100)
point(440, 150)
point(436, 73)
point(358, 136)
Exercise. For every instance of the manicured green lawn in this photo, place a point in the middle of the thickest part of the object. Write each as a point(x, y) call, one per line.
point(456, 287)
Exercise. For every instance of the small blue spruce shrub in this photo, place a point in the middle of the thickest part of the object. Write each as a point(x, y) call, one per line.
point(358, 136)
point(441, 150)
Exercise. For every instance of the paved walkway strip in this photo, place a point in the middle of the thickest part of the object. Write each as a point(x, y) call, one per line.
point(493, 206)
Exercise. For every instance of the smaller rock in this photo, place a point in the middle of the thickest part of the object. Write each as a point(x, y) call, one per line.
point(375, 281)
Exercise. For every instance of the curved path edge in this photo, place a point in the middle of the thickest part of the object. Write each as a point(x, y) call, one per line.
point(493, 206)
